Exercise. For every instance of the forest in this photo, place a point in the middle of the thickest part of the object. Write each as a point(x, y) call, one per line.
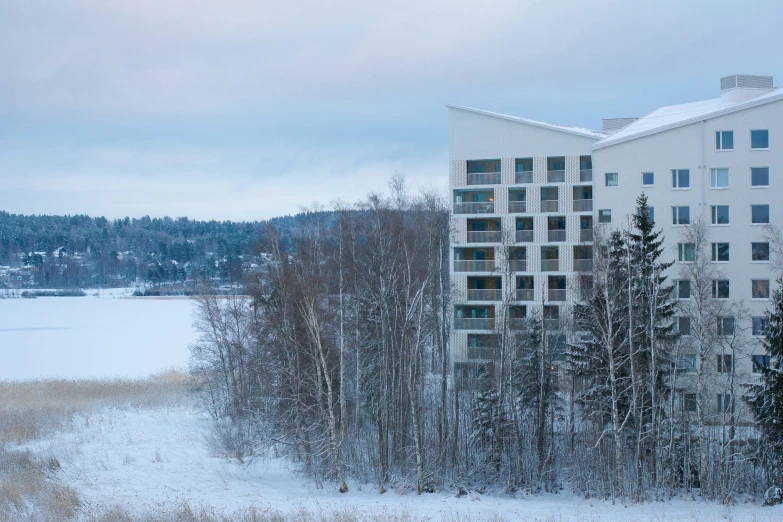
point(338, 356)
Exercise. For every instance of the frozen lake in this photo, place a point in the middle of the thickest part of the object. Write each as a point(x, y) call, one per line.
point(82, 337)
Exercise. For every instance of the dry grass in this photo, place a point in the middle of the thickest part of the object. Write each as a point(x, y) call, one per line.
point(30, 410)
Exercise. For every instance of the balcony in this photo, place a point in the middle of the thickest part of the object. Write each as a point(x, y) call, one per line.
point(555, 176)
point(483, 207)
point(484, 323)
point(586, 234)
point(485, 294)
point(557, 235)
point(549, 205)
point(484, 236)
point(551, 324)
point(556, 294)
point(471, 265)
point(518, 265)
point(484, 178)
point(583, 205)
point(524, 177)
point(524, 236)
point(586, 175)
point(583, 265)
point(550, 265)
point(517, 207)
point(517, 323)
point(524, 294)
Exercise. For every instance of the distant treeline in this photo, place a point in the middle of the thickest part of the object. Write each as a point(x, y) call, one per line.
point(80, 251)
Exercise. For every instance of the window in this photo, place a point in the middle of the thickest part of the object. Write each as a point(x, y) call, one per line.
point(689, 402)
point(759, 288)
point(682, 289)
point(650, 213)
point(726, 328)
point(724, 140)
point(759, 139)
point(681, 178)
point(724, 402)
point(483, 166)
point(648, 179)
point(687, 252)
point(759, 214)
point(720, 289)
point(482, 346)
point(611, 179)
point(759, 362)
point(687, 363)
point(720, 214)
point(681, 215)
point(759, 176)
point(720, 252)
point(682, 325)
point(605, 215)
point(724, 363)
point(719, 178)
point(760, 326)
point(759, 251)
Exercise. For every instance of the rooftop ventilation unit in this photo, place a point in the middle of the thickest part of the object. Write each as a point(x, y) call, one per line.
point(746, 81)
point(612, 125)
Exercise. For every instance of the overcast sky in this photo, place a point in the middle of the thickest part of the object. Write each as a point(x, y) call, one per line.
point(240, 109)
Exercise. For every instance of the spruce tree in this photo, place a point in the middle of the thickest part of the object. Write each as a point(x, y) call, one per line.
point(766, 397)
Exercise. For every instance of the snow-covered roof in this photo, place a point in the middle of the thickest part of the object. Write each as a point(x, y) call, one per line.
point(674, 116)
point(580, 131)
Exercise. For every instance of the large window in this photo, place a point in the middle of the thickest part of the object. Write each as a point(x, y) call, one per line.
point(759, 288)
point(681, 215)
point(759, 362)
point(720, 214)
point(759, 176)
point(720, 289)
point(682, 325)
point(759, 251)
point(724, 362)
point(605, 215)
point(687, 363)
point(759, 139)
point(759, 214)
point(720, 252)
point(724, 402)
point(681, 178)
point(611, 179)
point(648, 179)
point(724, 140)
point(483, 166)
point(682, 289)
point(725, 327)
point(719, 178)
point(686, 252)
point(689, 403)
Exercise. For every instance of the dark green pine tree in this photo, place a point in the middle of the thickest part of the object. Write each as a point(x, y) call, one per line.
point(766, 397)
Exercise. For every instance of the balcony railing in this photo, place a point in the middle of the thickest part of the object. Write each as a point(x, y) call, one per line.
point(556, 294)
point(583, 205)
point(586, 234)
point(524, 294)
point(550, 265)
point(486, 353)
point(524, 177)
point(483, 207)
point(555, 176)
point(518, 265)
point(524, 236)
point(557, 235)
point(549, 205)
point(586, 175)
point(551, 324)
point(485, 323)
point(517, 323)
point(484, 236)
point(517, 207)
point(471, 265)
point(484, 178)
point(484, 294)
point(583, 265)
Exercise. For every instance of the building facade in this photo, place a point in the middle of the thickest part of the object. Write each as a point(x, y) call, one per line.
point(718, 161)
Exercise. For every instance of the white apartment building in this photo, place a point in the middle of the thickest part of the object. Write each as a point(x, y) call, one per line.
point(520, 184)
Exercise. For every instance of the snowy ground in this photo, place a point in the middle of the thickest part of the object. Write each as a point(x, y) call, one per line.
point(152, 460)
point(105, 334)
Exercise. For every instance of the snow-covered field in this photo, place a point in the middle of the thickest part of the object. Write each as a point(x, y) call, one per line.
point(101, 335)
point(152, 460)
